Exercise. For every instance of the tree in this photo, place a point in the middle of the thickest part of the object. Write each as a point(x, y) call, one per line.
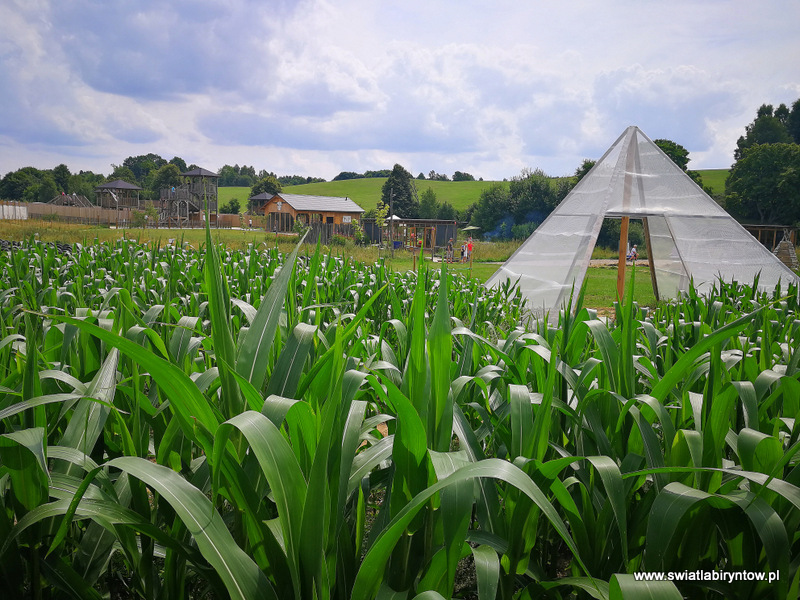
point(421, 175)
point(268, 184)
point(764, 184)
point(299, 180)
point(765, 129)
point(179, 162)
point(434, 176)
point(123, 173)
point(232, 207)
point(532, 196)
point(378, 173)
point(585, 167)
point(142, 165)
point(61, 176)
point(793, 122)
point(15, 183)
point(446, 212)
point(459, 176)
point(47, 189)
point(227, 176)
point(165, 177)
point(678, 154)
point(345, 175)
point(428, 205)
point(398, 191)
point(492, 206)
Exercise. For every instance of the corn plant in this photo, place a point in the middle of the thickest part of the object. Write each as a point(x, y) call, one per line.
point(237, 423)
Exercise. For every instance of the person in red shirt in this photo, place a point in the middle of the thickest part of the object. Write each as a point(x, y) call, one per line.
point(469, 249)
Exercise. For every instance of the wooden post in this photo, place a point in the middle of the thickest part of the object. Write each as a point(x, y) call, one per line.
point(653, 278)
point(623, 249)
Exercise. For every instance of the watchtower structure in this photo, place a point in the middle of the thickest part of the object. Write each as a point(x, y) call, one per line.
point(118, 194)
point(184, 203)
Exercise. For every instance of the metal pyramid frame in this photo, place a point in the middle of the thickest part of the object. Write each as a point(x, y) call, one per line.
point(689, 236)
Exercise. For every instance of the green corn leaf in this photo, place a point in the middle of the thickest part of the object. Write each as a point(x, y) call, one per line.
point(186, 401)
point(680, 369)
point(487, 570)
point(241, 576)
point(219, 312)
point(440, 357)
point(286, 376)
point(758, 451)
point(62, 576)
point(625, 587)
point(281, 471)
point(371, 571)
point(253, 355)
point(615, 492)
point(23, 455)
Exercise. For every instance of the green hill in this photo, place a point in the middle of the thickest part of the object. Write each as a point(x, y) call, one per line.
point(367, 192)
point(226, 194)
point(715, 179)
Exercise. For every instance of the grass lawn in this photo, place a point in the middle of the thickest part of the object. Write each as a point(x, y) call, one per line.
point(601, 284)
point(226, 194)
point(715, 179)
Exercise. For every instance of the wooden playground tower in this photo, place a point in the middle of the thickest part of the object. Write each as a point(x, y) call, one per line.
point(182, 205)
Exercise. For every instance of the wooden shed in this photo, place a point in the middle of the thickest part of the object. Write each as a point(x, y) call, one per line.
point(118, 194)
point(282, 210)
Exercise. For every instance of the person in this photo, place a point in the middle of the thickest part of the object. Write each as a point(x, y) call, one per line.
point(469, 249)
point(463, 251)
point(450, 251)
point(633, 255)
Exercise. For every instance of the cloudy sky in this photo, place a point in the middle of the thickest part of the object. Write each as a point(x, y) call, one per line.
point(316, 87)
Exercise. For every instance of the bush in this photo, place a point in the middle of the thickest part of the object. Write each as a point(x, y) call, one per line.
point(299, 227)
point(338, 240)
point(359, 237)
point(138, 219)
point(523, 230)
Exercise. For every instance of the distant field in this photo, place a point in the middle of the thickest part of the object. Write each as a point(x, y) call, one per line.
point(226, 194)
point(367, 192)
point(715, 179)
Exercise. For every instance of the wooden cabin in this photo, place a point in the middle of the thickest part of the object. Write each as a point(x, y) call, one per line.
point(118, 194)
point(282, 210)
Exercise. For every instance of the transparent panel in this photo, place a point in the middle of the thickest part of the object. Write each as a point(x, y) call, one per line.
point(691, 236)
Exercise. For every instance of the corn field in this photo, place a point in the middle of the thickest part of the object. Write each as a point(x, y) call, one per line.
point(243, 424)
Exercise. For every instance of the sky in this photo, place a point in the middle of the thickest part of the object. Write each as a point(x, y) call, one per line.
point(315, 87)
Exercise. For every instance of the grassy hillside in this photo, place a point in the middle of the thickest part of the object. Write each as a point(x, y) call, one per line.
point(715, 179)
point(367, 192)
point(226, 194)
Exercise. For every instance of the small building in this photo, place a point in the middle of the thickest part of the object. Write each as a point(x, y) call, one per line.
point(118, 194)
point(282, 210)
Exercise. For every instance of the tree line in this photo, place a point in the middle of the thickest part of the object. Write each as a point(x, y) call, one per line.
point(763, 185)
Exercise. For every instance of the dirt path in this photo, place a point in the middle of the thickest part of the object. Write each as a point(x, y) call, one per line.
point(612, 262)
